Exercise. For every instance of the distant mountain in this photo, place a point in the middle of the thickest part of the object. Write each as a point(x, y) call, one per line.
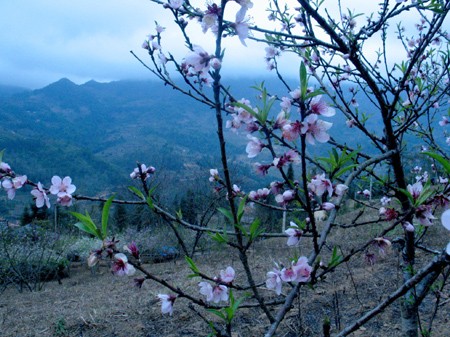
point(96, 132)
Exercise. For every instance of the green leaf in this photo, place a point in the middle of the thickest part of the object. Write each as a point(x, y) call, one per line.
point(85, 228)
point(86, 224)
point(255, 229)
point(105, 216)
point(335, 258)
point(227, 213)
point(217, 313)
point(192, 265)
point(343, 170)
point(303, 81)
point(219, 238)
point(444, 162)
point(241, 208)
point(137, 192)
point(150, 202)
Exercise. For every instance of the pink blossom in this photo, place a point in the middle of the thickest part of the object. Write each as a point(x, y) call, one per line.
point(288, 275)
point(5, 168)
point(295, 94)
point(328, 206)
point(214, 294)
point(294, 234)
point(240, 25)
point(175, 4)
point(146, 172)
point(198, 59)
point(261, 193)
point(424, 215)
point(214, 175)
point(94, 257)
point(160, 29)
point(382, 244)
point(350, 123)
point(276, 187)
point(227, 275)
point(209, 20)
point(262, 169)
point(167, 302)
point(64, 199)
point(215, 63)
point(385, 200)
point(366, 193)
point(444, 121)
point(220, 293)
point(340, 189)
point(318, 106)
point(415, 190)
point(60, 187)
point(291, 131)
point(315, 129)
point(281, 120)
point(121, 266)
point(285, 198)
point(443, 180)
point(254, 146)
point(132, 249)
point(41, 196)
point(286, 104)
point(319, 184)
point(11, 185)
point(206, 290)
point(408, 226)
point(271, 52)
point(274, 281)
point(302, 269)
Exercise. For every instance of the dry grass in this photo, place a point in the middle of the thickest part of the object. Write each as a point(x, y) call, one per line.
point(99, 304)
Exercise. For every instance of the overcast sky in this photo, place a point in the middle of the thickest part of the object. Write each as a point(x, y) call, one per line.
point(43, 41)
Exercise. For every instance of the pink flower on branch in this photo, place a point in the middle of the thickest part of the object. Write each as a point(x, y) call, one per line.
point(294, 234)
point(121, 266)
point(167, 302)
point(60, 187)
point(146, 172)
point(299, 271)
point(227, 275)
point(319, 185)
point(132, 249)
point(318, 106)
point(198, 59)
point(254, 146)
point(274, 281)
point(315, 129)
point(41, 196)
point(175, 4)
point(11, 185)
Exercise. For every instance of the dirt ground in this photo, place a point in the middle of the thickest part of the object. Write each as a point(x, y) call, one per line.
point(100, 304)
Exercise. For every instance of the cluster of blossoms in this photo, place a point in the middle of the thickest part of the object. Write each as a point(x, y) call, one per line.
point(213, 293)
point(299, 271)
point(424, 210)
point(62, 188)
point(143, 172)
point(219, 291)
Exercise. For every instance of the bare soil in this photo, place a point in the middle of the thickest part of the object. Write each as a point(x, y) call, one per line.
point(100, 304)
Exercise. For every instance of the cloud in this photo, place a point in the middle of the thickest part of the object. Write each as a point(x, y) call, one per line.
point(45, 40)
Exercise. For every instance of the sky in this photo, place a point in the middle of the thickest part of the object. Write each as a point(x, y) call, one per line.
point(43, 41)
